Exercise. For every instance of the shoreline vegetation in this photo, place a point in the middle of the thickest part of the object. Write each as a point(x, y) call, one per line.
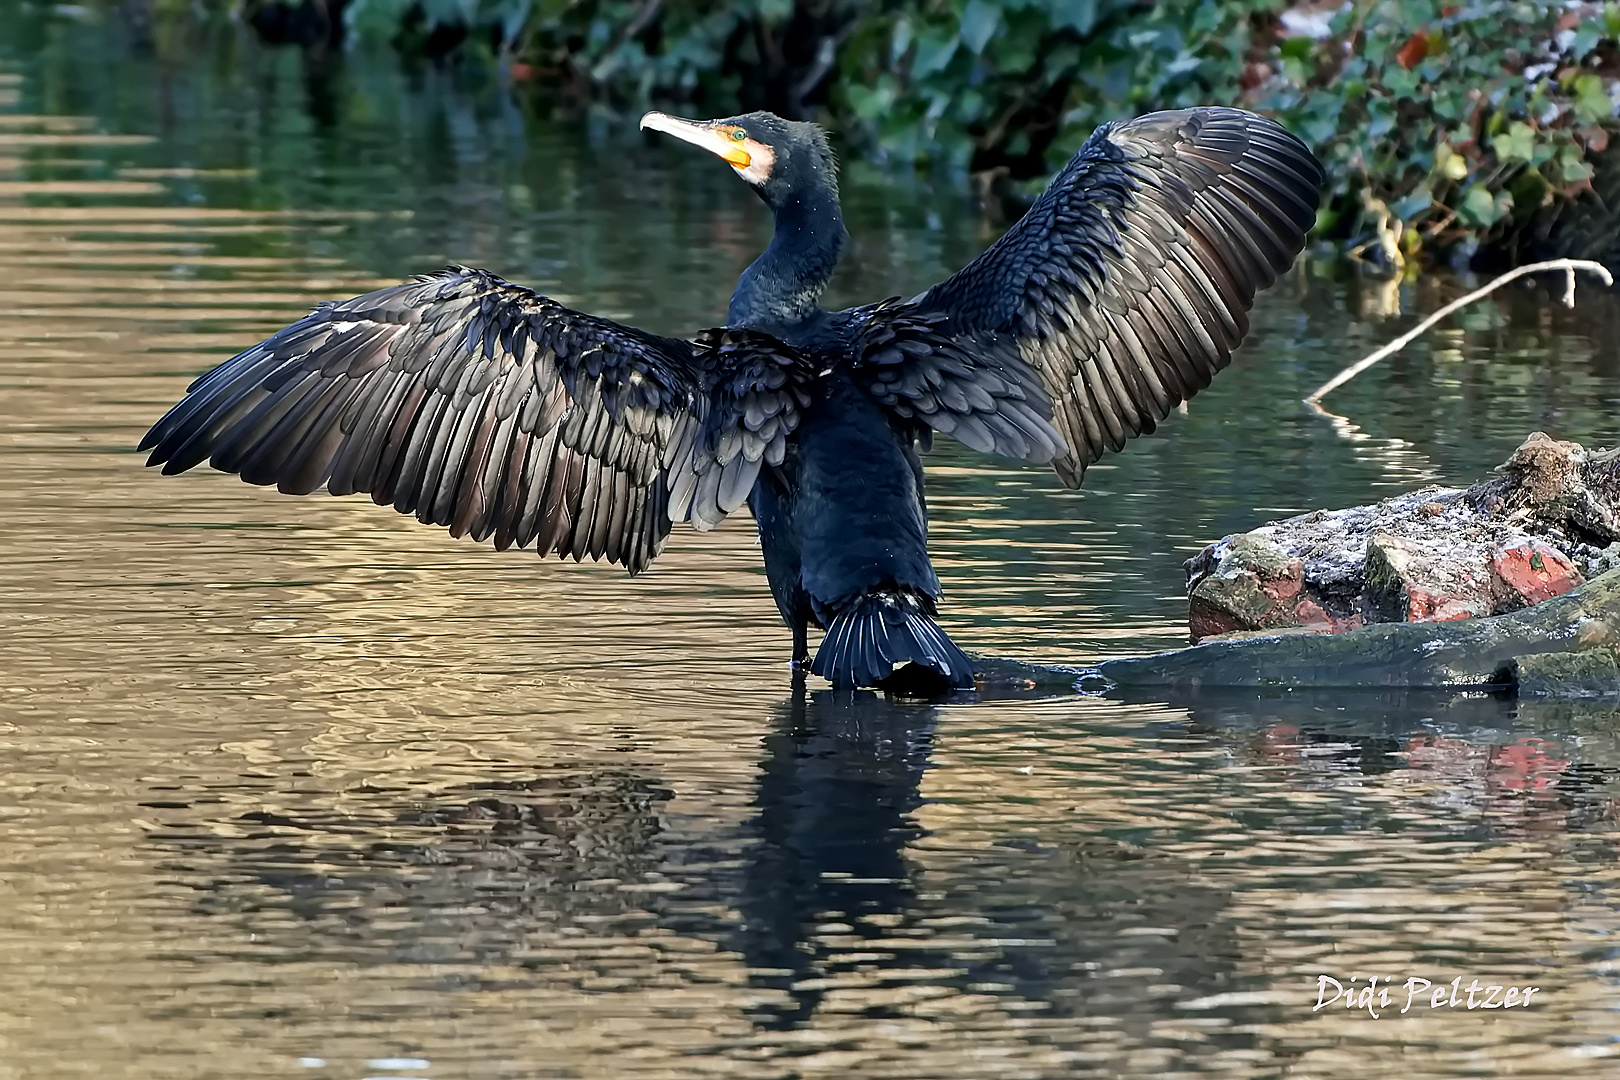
point(1478, 134)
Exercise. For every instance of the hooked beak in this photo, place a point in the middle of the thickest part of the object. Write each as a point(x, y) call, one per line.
point(701, 134)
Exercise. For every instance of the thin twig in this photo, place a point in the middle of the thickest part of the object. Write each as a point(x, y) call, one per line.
point(1568, 266)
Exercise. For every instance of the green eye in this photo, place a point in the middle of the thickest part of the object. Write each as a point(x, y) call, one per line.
point(739, 134)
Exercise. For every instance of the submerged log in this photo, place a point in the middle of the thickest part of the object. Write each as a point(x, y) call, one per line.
point(1566, 646)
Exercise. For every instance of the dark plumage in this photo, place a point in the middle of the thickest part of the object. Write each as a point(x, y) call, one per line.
point(485, 407)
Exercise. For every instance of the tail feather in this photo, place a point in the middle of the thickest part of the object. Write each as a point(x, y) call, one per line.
point(878, 633)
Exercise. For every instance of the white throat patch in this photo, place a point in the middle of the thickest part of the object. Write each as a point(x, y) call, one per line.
point(761, 159)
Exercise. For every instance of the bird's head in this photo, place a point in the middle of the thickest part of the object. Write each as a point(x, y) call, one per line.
point(777, 157)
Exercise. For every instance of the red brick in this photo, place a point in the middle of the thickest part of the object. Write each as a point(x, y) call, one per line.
point(1530, 572)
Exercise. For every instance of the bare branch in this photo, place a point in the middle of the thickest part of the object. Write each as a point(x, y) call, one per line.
point(1568, 266)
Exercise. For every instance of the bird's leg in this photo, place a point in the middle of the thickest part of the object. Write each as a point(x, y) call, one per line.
point(801, 645)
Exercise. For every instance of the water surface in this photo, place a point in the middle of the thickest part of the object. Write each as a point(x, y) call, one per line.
point(301, 788)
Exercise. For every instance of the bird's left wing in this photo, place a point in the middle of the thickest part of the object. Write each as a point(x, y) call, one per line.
point(1116, 297)
point(474, 404)
point(755, 388)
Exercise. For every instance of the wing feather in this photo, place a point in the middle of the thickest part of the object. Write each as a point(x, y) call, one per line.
point(471, 402)
point(1126, 285)
point(758, 388)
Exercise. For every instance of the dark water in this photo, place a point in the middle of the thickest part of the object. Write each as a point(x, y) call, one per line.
point(299, 788)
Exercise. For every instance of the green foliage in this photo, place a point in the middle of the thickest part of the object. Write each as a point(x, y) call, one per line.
point(744, 54)
point(1461, 119)
point(1018, 83)
point(387, 19)
point(613, 49)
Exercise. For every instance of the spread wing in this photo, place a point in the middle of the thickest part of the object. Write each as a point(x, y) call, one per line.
point(756, 389)
point(1124, 288)
point(911, 361)
point(474, 404)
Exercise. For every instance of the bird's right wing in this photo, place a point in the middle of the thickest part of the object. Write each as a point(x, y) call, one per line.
point(1124, 288)
point(482, 406)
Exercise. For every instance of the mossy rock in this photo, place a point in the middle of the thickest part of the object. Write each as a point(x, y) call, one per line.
point(1591, 672)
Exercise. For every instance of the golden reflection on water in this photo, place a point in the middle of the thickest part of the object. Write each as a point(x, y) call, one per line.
point(297, 787)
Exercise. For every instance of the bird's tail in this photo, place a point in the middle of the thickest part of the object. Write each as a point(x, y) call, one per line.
point(880, 632)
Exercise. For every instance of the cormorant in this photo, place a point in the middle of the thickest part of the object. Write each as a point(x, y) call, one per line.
point(488, 408)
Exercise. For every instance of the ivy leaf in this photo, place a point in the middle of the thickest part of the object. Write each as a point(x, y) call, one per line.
point(1448, 163)
point(1381, 118)
point(1300, 48)
point(1574, 172)
point(1449, 103)
point(1319, 129)
point(1402, 83)
point(1587, 36)
point(979, 23)
point(867, 104)
point(1592, 102)
point(1517, 143)
point(1078, 15)
point(934, 52)
point(376, 18)
point(1482, 209)
point(1414, 204)
point(1572, 165)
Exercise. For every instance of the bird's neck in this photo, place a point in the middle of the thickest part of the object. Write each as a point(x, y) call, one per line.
point(781, 286)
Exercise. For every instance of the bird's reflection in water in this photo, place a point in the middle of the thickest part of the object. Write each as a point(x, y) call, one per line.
point(595, 879)
point(837, 788)
point(494, 870)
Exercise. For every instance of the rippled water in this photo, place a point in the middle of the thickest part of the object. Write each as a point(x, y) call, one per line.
point(300, 788)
